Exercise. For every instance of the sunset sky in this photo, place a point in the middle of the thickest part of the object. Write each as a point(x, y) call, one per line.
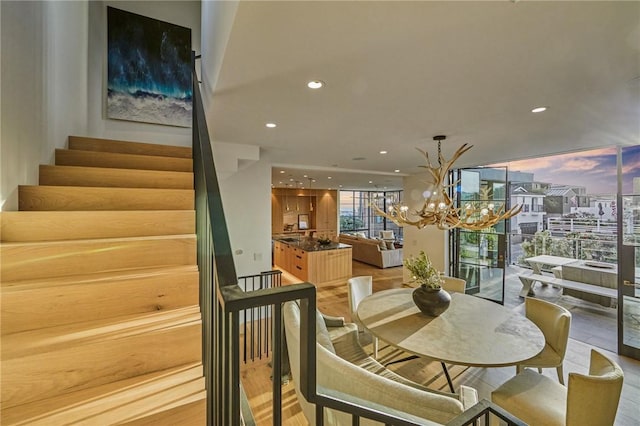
point(595, 169)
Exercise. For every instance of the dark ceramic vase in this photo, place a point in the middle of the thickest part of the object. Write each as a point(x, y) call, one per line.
point(431, 301)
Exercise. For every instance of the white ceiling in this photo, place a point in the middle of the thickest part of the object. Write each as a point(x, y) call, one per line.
point(398, 73)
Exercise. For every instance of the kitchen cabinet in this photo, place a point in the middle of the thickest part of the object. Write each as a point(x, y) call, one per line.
point(321, 206)
point(308, 261)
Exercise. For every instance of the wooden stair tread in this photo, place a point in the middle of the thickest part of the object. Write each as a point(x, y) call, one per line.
point(127, 147)
point(92, 240)
point(50, 364)
point(33, 260)
point(42, 303)
point(66, 198)
point(115, 402)
point(73, 157)
point(113, 177)
point(92, 278)
point(50, 339)
point(192, 413)
point(23, 226)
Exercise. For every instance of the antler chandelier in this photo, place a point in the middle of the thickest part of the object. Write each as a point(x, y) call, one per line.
point(438, 208)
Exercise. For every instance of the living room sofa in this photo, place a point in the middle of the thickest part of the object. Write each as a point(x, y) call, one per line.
point(344, 368)
point(370, 251)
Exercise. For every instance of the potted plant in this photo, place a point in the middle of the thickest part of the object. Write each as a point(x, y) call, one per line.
point(323, 240)
point(429, 297)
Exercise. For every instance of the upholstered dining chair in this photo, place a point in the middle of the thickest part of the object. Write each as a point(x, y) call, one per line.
point(555, 322)
point(587, 400)
point(357, 289)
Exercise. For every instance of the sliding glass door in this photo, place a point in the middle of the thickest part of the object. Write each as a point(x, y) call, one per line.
point(479, 256)
point(629, 257)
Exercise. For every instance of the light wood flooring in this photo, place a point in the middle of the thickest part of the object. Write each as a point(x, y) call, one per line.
point(332, 300)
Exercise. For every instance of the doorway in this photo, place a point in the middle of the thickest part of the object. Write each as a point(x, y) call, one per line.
point(479, 256)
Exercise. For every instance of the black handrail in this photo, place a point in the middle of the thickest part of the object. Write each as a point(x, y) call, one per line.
point(222, 300)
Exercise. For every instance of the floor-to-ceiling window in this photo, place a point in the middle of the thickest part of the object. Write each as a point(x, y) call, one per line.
point(356, 214)
point(571, 204)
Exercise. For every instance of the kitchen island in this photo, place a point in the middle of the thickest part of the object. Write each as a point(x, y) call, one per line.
point(310, 261)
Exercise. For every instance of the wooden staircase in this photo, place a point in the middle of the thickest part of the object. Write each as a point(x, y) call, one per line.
point(100, 322)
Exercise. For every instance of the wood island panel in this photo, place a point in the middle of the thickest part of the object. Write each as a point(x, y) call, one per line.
point(317, 267)
point(330, 266)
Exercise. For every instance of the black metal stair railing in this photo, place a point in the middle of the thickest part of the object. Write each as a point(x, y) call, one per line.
point(222, 301)
point(257, 324)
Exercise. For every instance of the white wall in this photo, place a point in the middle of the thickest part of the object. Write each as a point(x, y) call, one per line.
point(217, 21)
point(43, 85)
point(185, 13)
point(66, 55)
point(246, 198)
point(433, 241)
point(21, 75)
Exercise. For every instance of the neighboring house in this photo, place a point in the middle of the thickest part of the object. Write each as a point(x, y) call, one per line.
point(558, 200)
point(531, 218)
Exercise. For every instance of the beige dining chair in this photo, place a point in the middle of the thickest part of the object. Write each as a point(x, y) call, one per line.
point(555, 322)
point(357, 289)
point(588, 399)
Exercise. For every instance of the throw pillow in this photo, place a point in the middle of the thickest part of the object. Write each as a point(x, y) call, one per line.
point(322, 334)
point(390, 245)
point(387, 235)
point(382, 245)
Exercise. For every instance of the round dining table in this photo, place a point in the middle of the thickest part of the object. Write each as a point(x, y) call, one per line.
point(472, 331)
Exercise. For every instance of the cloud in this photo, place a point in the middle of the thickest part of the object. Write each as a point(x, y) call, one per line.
point(630, 166)
point(595, 169)
point(531, 165)
point(580, 164)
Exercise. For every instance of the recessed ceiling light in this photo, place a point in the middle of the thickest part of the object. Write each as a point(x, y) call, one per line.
point(315, 84)
point(383, 152)
point(270, 125)
point(397, 170)
point(329, 177)
point(539, 109)
point(370, 181)
point(281, 171)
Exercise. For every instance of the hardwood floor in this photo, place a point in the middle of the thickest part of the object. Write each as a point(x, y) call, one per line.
point(332, 300)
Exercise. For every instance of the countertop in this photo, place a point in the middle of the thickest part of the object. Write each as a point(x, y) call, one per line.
point(308, 244)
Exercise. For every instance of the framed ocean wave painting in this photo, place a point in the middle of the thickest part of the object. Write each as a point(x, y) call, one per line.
point(148, 70)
